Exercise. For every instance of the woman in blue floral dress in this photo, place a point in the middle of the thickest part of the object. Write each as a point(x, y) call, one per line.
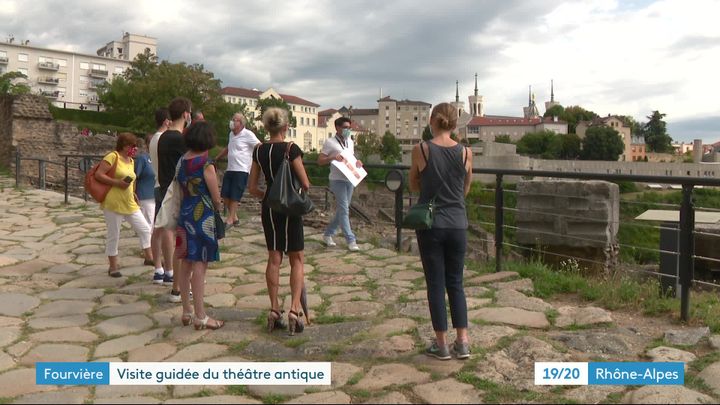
point(196, 239)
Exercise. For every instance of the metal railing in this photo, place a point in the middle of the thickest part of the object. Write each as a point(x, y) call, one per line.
point(686, 229)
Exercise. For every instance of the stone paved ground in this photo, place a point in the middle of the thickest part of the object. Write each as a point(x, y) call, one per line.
point(371, 321)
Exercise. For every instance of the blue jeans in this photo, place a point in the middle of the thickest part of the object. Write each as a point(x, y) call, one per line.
point(343, 191)
point(442, 252)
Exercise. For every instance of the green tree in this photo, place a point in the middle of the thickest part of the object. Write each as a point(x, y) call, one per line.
point(655, 131)
point(569, 146)
point(503, 139)
point(390, 151)
point(602, 143)
point(635, 127)
point(367, 144)
point(147, 85)
point(427, 133)
point(263, 105)
point(8, 84)
point(543, 144)
point(555, 111)
point(574, 114)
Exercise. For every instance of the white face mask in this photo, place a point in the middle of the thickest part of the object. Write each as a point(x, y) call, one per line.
point(232, 125)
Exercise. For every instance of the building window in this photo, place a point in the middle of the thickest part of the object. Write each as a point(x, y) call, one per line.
point(98, 66)
point(313, 122)
point(84, 65)
point(119, 70)
point(3, 54)
point(61, 62)
point(23, 71)
point(302, 121)
point(22, 57)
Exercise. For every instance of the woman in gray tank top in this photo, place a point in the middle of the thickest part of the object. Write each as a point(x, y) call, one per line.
point(442, 169)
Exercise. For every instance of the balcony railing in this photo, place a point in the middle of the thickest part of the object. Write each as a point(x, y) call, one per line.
point(93, 84)
point(4, 60)
point(50, 94)
point(49, 80)
point(48, 66)
point(98, 73)
point(93, 99)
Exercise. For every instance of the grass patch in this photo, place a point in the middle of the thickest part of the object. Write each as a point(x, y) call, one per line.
point(274, 399)
point(238, 348)
point(296, 342)
point(613, 398)
point(355, 378)
point(238, 390)
point(6, 400)
point(551, 315)
point(361, 394)
point(700, 364)
point(705, 306)
point(495, 393)
point(205, 393)
point(328, 319)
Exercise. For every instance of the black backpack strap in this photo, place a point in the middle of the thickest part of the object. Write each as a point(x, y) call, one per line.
point(423, 152)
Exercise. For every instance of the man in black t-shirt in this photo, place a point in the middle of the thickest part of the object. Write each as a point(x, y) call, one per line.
point(171, 148)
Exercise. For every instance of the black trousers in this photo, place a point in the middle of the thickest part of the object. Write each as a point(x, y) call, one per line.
point(443, 257)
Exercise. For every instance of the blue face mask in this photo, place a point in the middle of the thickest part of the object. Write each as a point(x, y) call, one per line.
point(346, 133)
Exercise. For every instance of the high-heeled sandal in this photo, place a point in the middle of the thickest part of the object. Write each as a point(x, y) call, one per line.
point(295, 323)
point(187, 318)
point(275, 320)
point(204, 324)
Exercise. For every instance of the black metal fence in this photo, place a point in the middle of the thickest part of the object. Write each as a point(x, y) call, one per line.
point(685, 254)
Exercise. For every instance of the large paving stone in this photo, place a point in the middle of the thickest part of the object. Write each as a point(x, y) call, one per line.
point(714, 342)
point(63, 308)
point(711, 376)
point(392, 326)
point(9, 334)
point(72, 294)
point(20, 382)
point(17, 304)
point(51, 352)
point(511, 316)
point(516, 299)
point(386, 375)
point(98, 281)
point(614, 343)
point(524, 285)
point(355, 309)
point(74, 395)
point(126, 343)
point(448, 391)
point(441, 368)
point(221, 300)
point(153, 352)
point(26, 268)
point(668, 394)
point(330, 397)
point(568, 316)
point(670, 354)
point(391, 398)
point(253, 302)
point(138, 307)
point(199, 352)
point(215, 399)
point(72, 334)
point(6, 362)
point(492, 277)
point(115, 392)
point(686, 336)
point(59, 322)
point(124, 325)
point(592, 394)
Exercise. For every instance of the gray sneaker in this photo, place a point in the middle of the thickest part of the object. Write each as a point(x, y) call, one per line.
point(461, 350)
point(439, 352)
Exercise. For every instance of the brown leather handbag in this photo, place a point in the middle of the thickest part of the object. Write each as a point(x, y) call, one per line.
point(95, 188)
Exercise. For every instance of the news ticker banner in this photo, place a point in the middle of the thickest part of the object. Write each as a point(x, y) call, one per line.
point(618, 373)
point(140, 373)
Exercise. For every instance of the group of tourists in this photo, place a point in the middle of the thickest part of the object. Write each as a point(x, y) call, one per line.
point(177, 155)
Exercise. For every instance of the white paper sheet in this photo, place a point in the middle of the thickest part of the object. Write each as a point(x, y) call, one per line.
point(349, 169)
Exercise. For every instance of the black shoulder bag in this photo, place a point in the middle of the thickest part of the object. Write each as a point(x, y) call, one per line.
point(286, 195)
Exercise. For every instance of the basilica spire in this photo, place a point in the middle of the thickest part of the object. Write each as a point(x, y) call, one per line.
point(457, 92)
point(476, 89)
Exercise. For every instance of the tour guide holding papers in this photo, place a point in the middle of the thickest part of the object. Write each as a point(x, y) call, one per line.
point(340, 186)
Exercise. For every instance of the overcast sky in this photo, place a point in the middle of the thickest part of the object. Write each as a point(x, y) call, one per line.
point(612, 57)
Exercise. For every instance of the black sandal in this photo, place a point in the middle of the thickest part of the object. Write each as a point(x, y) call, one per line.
point(114, 274)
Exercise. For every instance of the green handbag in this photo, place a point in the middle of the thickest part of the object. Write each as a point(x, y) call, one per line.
point(420, 216)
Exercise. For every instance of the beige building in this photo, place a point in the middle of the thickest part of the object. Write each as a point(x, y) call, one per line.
point(305, 112)
point(405, 119)
point(70, 79)
point(617, 124)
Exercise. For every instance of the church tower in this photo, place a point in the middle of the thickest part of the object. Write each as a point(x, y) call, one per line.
point(476, 102)
point(552, 103)
point(531, 110)
point(459, 105)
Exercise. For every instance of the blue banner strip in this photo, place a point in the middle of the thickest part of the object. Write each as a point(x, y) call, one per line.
point(636, 373)
point(69, 373)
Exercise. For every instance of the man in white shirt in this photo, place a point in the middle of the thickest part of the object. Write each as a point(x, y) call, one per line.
point(340, 186)
point(241, 143)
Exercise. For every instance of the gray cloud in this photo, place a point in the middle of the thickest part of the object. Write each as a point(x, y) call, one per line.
point(693, 43)
point(706, 128)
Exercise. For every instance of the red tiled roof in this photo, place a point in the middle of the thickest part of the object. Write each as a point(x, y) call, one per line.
point(503, 121)
point(387, 98)
point(328, 112)
point(297, 100)
point(365, 111)
point(240, 92)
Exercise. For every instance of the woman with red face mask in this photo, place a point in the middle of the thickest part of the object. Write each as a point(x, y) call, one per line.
point(120, 203)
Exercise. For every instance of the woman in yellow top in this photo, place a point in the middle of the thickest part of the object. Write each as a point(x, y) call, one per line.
point(120, 203)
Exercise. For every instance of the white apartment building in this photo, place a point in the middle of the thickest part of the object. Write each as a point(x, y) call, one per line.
point(305, 112)
point(70, 79)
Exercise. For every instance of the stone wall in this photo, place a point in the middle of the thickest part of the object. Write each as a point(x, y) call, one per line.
point(571, 218)
point(32, 131)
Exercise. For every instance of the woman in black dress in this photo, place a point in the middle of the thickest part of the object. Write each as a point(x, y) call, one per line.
point(283, 234)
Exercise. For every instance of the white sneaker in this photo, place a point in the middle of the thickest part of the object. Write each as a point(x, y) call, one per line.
point(353, 247)
point(329, 242)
